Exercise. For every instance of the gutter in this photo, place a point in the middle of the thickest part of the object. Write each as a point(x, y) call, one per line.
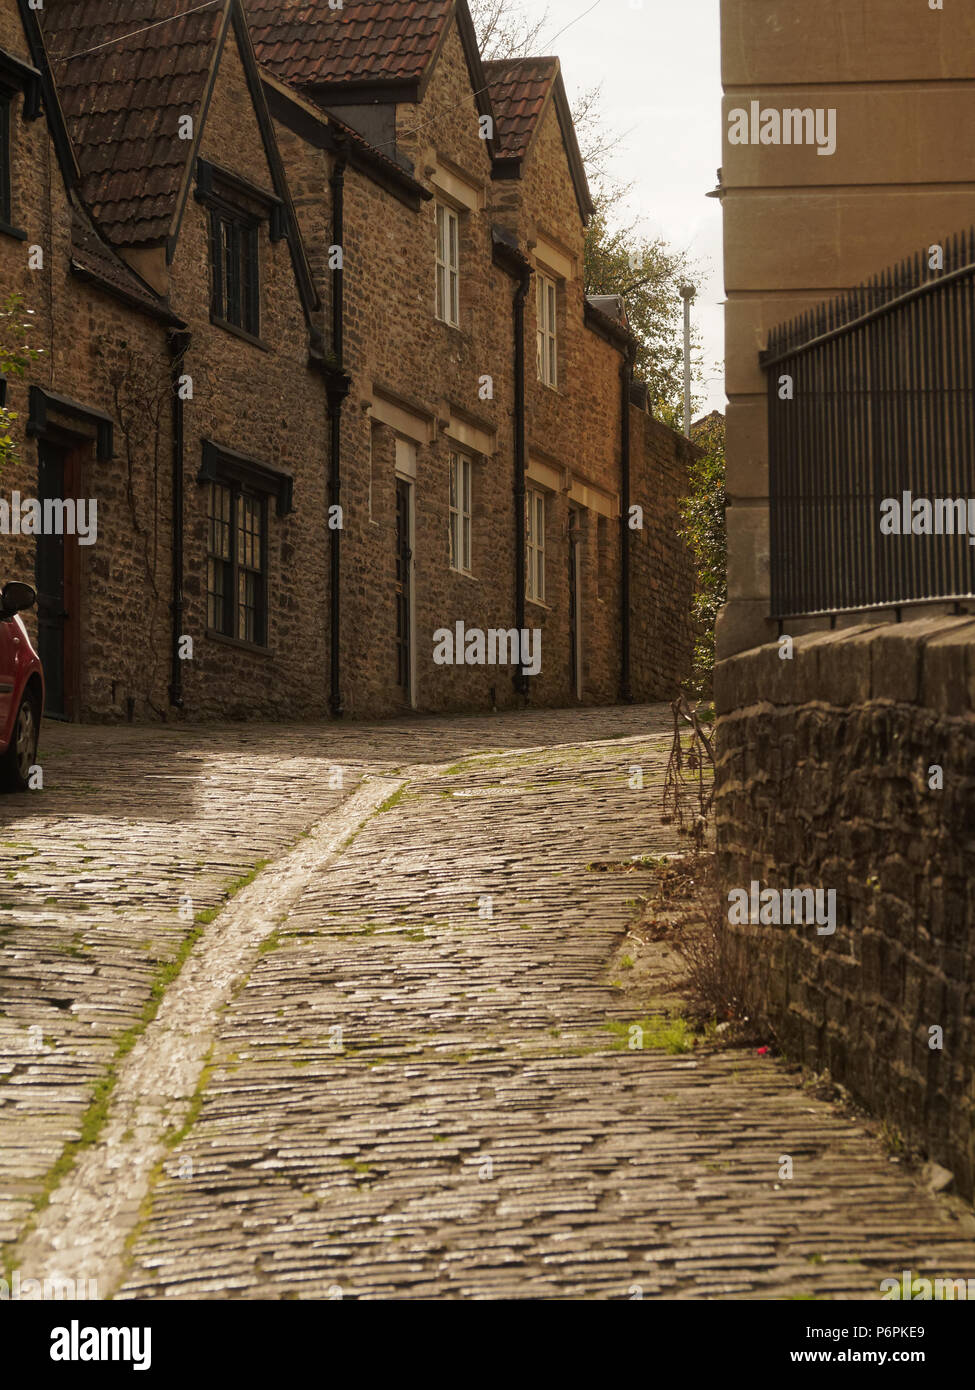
point(337, 387)
point(622, 339)
point(510, 259)
point(178, 343)
point(158, 312)
point(608, 329)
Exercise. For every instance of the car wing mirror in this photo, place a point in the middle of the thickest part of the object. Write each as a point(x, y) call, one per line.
point(15, 597)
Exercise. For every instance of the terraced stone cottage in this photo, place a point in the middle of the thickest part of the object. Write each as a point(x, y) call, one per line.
point(308, 289)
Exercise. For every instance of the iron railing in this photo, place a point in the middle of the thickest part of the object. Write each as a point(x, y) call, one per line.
point(882, 405)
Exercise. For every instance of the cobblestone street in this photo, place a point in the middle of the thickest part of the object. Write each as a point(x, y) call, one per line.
point(335, 1011)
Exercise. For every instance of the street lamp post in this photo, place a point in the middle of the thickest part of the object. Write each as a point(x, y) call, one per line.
point(687, 294)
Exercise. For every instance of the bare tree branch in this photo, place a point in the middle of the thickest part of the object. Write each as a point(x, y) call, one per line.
point(504, 32)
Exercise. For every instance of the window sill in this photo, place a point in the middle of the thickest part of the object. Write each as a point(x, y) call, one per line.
point(240, 333)
point(16, 232)
point(464, 574)
point(537, 603)
point(237, 642)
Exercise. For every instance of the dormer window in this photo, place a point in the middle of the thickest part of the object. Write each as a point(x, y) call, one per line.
point(235, 265)
point(238, 209)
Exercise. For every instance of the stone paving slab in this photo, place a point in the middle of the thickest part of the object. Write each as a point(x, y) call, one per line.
point(135, 840)
point(476, 1129)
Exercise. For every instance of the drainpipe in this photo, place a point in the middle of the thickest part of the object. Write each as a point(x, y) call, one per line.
point(521, 299)
point(337, 386)
point(626, 379)
point(178, 342)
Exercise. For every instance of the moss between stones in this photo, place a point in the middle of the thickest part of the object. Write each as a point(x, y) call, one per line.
point(96, 1113)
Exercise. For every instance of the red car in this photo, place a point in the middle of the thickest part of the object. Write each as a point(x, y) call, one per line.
point(21, 690)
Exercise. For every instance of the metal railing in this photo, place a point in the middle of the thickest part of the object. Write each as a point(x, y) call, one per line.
point(871, 404)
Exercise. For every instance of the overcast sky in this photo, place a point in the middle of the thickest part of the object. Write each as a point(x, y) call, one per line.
point(659, 64)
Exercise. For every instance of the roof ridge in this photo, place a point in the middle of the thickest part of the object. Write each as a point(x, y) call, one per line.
point(522, 58)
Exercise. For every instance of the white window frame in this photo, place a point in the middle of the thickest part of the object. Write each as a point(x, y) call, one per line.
point(535, 545)
point(547, 313)
point(460, 505)
point(448, 265)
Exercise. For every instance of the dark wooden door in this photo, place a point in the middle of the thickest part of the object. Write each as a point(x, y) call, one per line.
point(404, 577)
point(574, 615)
point(50, 581)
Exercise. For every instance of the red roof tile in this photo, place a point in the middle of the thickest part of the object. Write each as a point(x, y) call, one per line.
point(306, 43)
point(123, 102)
point(518, 88)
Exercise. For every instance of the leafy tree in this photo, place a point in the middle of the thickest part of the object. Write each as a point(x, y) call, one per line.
point(647, 273)
point(705, 532)
point(15, 355)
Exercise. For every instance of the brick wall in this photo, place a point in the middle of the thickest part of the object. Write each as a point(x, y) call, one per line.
point(825, 765)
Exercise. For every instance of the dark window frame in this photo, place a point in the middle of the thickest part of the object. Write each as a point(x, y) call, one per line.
point(6, 155)
point(16, 76)
point(237, 211)
point(249, 480)
point(235, 268)
point(228, 624)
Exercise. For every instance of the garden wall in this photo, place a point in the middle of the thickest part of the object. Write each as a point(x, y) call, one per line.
point(851, 767)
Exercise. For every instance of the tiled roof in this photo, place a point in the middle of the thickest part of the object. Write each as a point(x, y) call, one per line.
point(123, 102)
point(518, 88)
point(308, 44)
point(95, 258)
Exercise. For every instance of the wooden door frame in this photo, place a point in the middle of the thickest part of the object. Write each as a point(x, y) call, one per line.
point(575, 599)
point(75, 453)
point(403, 477)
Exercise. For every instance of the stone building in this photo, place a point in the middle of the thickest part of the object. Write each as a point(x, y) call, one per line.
point(845, 685)
point(315, 340)
point(804, 222)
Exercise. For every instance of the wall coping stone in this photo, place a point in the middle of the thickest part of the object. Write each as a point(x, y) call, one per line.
point(929, 661)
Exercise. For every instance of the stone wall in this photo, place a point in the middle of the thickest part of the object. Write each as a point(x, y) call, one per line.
point(827, 778)
point(662, 568)
point(417, 385)
point(263, 400)
point(100, 353)
point(418, 380)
